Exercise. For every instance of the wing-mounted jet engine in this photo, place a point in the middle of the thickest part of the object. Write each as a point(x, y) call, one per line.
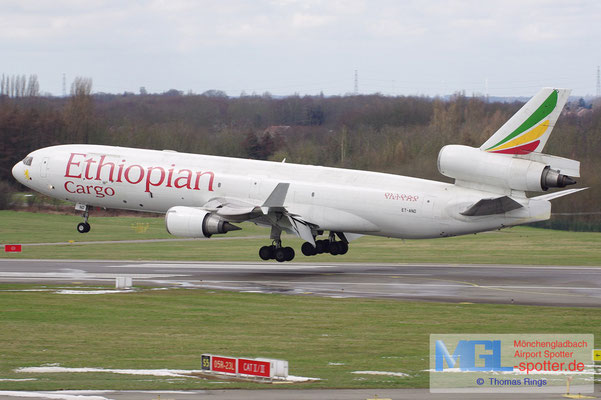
point(195, 223)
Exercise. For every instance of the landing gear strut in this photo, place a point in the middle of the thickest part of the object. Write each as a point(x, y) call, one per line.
point(84, 227)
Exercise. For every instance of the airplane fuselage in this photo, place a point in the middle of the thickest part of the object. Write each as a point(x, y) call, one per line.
point(333, 199)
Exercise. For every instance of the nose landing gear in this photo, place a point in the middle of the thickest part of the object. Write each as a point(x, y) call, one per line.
point(84, 227)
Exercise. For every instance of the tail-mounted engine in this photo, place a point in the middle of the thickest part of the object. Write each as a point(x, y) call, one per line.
point(195, 223)
point(469, 164)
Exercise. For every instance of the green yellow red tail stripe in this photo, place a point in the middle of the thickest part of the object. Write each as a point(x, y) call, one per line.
point(524, 139)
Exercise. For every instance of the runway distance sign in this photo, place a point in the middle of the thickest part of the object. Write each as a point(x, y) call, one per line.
point(205, 362)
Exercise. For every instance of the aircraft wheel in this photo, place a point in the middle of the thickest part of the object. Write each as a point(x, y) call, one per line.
point(342, 248)
point(280, 254)
point(308, 249)
point(334, 248)
point(289, 253)
point(322, 246)
point(83, 227)
point(265, 253)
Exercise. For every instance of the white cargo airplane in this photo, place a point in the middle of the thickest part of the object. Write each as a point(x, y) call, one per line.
point(203, 195)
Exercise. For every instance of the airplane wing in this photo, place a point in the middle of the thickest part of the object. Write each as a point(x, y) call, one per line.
point(272, 213)
point(229, 208)
point(499, 205)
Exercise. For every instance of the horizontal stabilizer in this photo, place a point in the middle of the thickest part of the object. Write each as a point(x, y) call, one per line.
point(551, 196)
point(500, 205)
point(564, 165)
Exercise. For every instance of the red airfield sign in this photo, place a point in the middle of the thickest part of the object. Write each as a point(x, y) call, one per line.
point(12, 248)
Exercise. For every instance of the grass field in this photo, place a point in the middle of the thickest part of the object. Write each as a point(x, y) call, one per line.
point(519, 245)
point(320, 337)
point(30, 227)
point(172, 328)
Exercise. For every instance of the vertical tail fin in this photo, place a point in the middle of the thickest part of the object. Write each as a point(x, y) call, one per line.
point(529, 129)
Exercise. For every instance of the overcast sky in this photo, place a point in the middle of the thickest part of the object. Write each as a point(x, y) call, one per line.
point(513, 47)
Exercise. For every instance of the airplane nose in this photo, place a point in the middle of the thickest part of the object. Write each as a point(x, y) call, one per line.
point(18, 173)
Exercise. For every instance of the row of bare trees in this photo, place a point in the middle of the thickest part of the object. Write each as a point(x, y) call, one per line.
point(400, 135)
point(19, 86)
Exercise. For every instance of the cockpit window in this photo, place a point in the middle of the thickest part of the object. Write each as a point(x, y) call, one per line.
point(27, 160)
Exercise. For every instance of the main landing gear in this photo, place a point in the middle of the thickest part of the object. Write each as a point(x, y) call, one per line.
point(276, 252)
point(84, 227)
point(281, 254)
point(330, 245)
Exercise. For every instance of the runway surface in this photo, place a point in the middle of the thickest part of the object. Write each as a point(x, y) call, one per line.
point(506, 284)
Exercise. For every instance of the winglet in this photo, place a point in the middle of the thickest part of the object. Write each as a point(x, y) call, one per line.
point(278, 196)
